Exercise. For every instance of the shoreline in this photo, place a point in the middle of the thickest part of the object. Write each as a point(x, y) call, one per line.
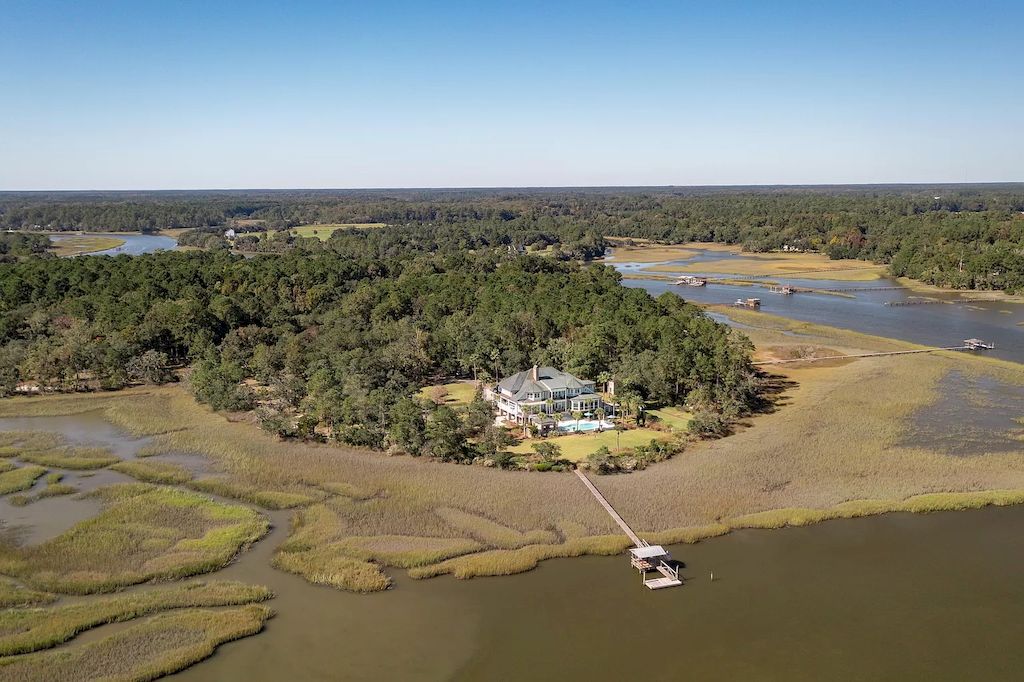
point(520, 519)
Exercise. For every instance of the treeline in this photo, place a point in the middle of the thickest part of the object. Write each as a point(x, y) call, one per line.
point(968, 236)
point(16, 244)
point(320, 344)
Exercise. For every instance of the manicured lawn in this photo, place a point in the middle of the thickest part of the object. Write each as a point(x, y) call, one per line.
point(459, 392)
point(577, 446)
point(676, 417)
point(324, 231)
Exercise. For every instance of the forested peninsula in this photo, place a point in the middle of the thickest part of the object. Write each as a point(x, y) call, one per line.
point(322, 345)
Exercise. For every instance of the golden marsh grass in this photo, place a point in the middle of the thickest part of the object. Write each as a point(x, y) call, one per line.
point(158, 646)
point(144, 532)
point(32, 629)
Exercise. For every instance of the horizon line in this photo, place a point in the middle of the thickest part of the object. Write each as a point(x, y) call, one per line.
point(450, 188)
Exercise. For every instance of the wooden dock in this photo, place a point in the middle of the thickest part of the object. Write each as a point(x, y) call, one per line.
point(643, 556)
point(969, 345)
point(611, 510)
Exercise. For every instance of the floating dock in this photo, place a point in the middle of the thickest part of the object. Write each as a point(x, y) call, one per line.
point(644, 557)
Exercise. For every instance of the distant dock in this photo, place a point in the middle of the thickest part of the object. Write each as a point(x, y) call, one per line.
point(968, 345)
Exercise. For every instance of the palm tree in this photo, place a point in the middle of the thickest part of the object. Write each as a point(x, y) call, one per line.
point(549, 404)
point(600, 414)
point(577, 416)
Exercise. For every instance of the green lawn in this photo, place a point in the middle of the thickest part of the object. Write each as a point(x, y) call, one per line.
point(577, 446)
point(324, 231)
point(458, 392)
point(676, 417)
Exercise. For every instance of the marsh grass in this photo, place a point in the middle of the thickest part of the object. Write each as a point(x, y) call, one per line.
point(509, 561)
point(144, 532)
point(149, 471)
point(158, 646)
point(71, 458)
point(20, 478)
point(13, 442)
point(327, 565)
point(32, 629)
point(56, 490)
point(268, 499)
point(492, 533)
point(13, 594)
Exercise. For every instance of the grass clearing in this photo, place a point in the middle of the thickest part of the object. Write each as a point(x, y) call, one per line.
point(454, 394)
point(323, 232)
point(158, 646)
point(577, 446)
point(144, 533)
point(32, 629)
point(77, 245)
point(674, 417)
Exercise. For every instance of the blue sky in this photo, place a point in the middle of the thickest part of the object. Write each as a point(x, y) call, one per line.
point(108, 95)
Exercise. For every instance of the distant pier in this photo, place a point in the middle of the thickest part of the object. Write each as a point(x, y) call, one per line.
point(968, 345)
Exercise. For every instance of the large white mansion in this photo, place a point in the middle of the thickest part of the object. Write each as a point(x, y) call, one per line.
point(543, 391)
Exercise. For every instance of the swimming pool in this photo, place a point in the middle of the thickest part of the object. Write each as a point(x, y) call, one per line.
point(584, 425)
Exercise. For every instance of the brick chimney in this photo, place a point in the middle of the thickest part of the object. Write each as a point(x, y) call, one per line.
point(533, 374)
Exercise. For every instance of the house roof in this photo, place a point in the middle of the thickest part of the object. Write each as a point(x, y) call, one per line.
point(522, 383)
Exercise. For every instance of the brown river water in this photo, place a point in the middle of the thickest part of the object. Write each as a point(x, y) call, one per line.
point(894, 597)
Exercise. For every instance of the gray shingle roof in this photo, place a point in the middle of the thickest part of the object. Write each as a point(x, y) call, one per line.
point(548, 379)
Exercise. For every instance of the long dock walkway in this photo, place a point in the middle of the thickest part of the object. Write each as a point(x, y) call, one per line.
point(862, 355)
point(637, 542)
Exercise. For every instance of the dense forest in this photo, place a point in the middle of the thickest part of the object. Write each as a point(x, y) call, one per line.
point(324, 344)
point(965, 236)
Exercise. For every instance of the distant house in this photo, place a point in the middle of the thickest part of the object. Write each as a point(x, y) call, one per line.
point(229, 233)
point(543, 391)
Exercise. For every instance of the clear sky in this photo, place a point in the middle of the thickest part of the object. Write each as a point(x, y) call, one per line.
point(182, 94)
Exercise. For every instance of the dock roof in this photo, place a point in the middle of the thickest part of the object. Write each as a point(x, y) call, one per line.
point(648, 552)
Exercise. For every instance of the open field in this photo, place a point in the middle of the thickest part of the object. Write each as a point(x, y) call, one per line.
point(144, 532)
point(80, 244)
point(576, 446)
point(322, 232)
point(366, 512)
point(675, 417)
point(454, 394)
point(158, 646)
